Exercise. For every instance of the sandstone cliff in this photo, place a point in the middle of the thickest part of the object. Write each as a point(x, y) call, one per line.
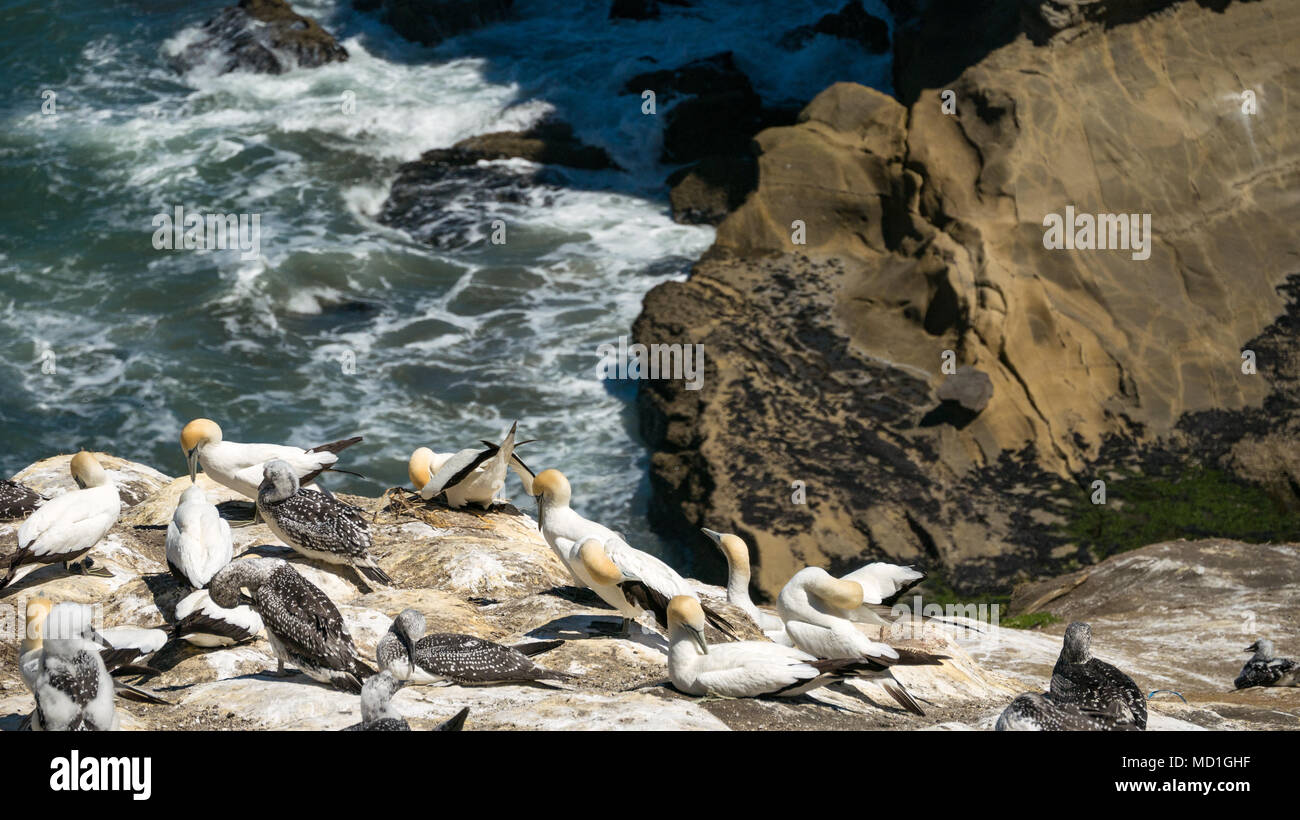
point(924, 233)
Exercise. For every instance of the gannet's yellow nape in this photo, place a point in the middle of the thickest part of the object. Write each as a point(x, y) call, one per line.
point(86, 471)
point(597, 562)
point(420, 468)
point(193, 436)
point(552, 486)
point(38, 609)
point(845, 595)
point(733, 549)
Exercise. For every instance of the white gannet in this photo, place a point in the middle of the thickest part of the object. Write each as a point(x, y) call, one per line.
point(1039, 713)
point(815, 607)
point(73, 689)
point(469, 476)
point(17, 500)
point(239, 466)
point(302, 625)
point(736, 552)
point(1265, 669)
point(198, 539)
point(65, 528)
point(1092, 684)
point(747, 669)
point(202, 623)
point(451, 657)
point(629, 580)
point(316, 524)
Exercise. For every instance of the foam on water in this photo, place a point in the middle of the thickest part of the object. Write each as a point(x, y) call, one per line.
point(344, 326)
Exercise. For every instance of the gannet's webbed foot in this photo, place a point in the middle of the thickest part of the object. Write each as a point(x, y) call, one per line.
point(625, 630)
point(280, 671)
point(87, 566)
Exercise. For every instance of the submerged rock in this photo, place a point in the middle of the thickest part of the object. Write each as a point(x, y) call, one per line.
point(429, 22)
point(261, 36)
point(852, 23)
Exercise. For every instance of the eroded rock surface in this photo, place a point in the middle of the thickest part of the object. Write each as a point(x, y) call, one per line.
point(881, 236)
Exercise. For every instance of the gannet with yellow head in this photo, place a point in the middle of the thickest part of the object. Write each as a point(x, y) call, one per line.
point(815, 607)
point(66, 527)
point(469, 476)
point(747, 669)
point(624, 577)
point(239, 466)
point(736, 551)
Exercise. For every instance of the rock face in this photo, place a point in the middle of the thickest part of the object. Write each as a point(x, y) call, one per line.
point(881, 236)
point(1174, 616)
point(431, 21)
point(851, 23)
point(261, 36)
point(489, 575)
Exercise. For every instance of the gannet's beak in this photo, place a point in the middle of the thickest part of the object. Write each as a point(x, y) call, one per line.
point(1253, 647)
point(697, 635)
point(716, 536)
point(410, 653)
point(192, 461)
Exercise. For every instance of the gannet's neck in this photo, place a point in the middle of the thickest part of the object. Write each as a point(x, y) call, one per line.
point(798, 604)
point(738, 591)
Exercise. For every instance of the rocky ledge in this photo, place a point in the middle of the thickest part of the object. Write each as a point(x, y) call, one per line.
point(888, 246)
point(491, 575)
point(260, 36)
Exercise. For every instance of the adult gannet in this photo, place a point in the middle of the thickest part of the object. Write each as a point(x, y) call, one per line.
point(452, 658)
point(1264, 669)
point(1082, 680)
point(303, 627)
point(202, 623)
point(17, 500)
point(198, 539)
point(469, 476)
point(118, 647)
point(316, 524)
point(65, 528)
point(1039, 713)
point(73, 689)
point(736, 552)
point(748, 669)
point(239, 466)
point(624, 577)
point(815, 607)
point(881, 585)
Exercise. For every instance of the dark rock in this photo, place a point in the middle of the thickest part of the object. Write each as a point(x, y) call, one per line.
point(716, 74)
point(262, 36)
point(852, 22)
point(549, 143)
point(634, 10)
point(429, 22)
point(704, 193)
point(968, 387)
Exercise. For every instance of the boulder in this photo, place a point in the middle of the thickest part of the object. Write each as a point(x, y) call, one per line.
point(260, 36)
point(429, 22)
point(852, 23)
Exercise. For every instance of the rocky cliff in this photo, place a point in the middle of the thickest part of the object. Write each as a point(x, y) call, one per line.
point(884, 240)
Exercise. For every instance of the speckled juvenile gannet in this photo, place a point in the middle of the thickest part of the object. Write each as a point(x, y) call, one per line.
point(1265, 669)
point(316, 524)
point(1039, 713)
point(451, 657)
point(377, 712)
point(303, 627)
point(17, 500)
point(736, 552)
point(198, 539)
point(239, 466)
point(73, 689)
point(202, 623)
point(469, 476)
point(815, 607)
point(624, 577)
point(65, 528)
point(1082, 680)
point(746, 669)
